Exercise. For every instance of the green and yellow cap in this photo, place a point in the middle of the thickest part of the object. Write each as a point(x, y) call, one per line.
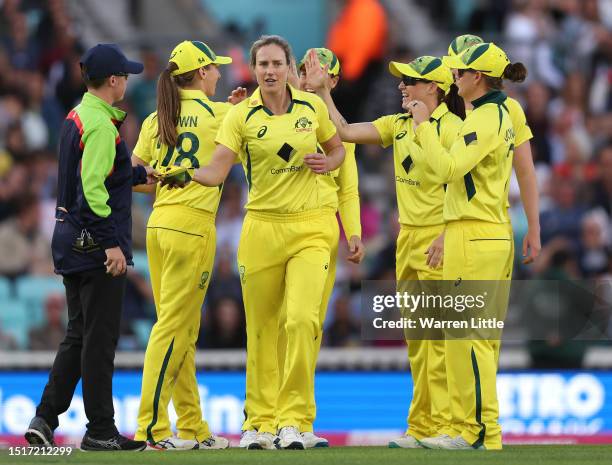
point(326, 57)
point(193, 54)
point(462, 43)
point(425, 67)
point(487, 58)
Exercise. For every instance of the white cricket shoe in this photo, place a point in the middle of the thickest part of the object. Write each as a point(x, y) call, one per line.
point(434, 442)
point(265, 441)
point(311, 440)
point(214, 442)
point(405, 442)
point(448, 443)
point(173, 444)
point(290, 438)
point(248, 438)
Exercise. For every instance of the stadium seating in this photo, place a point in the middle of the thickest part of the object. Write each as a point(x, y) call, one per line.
point(32, 291)
point(14, 320)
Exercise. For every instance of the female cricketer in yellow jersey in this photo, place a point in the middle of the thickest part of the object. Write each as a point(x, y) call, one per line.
point(420, 198)
point(287, 235)
point(477, 242)
point(341, 186)
point(180, 245)
point(522, 161)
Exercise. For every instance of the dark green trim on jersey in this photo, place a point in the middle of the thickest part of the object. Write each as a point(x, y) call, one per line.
point(303, 102)
point(248, 166)
point(483, 428)
point(201, 102)
point(257, 108)
point(470, 188)
point(494, 96)
point(158, 388)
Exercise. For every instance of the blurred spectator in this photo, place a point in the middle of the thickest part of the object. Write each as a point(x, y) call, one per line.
point(538, 99)
point(52, 332)
point(595, 243)
point(343, 331)
point(557, 311)
point(23, 248)
point(225, 326)
point(45, 106)
point(70, 87)
point(564, 216)
point(21, 47)
point(7, 341)
point(358, 37)
point(602, 189)
point(225, 281)
point(143, 94)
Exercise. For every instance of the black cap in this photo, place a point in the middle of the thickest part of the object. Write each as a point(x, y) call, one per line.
point(105, 60)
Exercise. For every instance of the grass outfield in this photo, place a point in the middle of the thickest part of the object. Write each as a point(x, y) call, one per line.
point(523, 455)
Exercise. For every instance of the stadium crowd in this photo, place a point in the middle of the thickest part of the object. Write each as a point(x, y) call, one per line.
point(566, 45)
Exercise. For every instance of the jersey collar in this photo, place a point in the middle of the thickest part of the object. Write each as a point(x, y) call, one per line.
point(192, 94)
point(257, 102)
point(439, 112)
point(494, 96)
point(115, 114)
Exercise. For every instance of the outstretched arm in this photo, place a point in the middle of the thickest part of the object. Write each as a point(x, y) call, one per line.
point(217, 170)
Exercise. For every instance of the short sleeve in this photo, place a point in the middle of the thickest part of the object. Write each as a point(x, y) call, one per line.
point(144, 148)
point(326, 128)
point(522, 132)
point(230, 132)
point(384, 125)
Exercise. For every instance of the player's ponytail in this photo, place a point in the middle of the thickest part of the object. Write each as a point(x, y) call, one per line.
point(515, 72)
point(453, 101)
point(168, 106)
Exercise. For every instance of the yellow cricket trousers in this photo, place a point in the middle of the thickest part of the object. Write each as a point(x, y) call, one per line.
point(283, 261)
point(429, 412)
point(181, 252)
point(476, 250)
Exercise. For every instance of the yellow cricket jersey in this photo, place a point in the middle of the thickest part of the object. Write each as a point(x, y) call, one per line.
point(272, 148)
point(420, 194)
point(522, 132)
point(340, 188)
point(197, 127)
point(478, 168)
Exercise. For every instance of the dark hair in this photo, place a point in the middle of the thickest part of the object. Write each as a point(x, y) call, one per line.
point(91, 83)
point(515, 72)
point(169, 102)
point(453, 101)
point(270, 40)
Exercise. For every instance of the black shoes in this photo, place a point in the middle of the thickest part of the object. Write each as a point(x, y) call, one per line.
point(39, 433)
point(117, 442)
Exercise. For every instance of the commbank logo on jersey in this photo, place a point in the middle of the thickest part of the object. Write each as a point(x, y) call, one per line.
point(401, 135)
point(286, 151)
point(303, 124)
point(262, 132)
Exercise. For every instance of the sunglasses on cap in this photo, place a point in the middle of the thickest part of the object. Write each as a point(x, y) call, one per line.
point(411, 81)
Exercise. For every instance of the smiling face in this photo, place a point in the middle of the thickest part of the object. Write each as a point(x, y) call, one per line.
point(422, 91)
point(271, 68)
point(467, 83)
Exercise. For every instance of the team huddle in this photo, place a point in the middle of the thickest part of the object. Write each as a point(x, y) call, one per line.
point(454, 148)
